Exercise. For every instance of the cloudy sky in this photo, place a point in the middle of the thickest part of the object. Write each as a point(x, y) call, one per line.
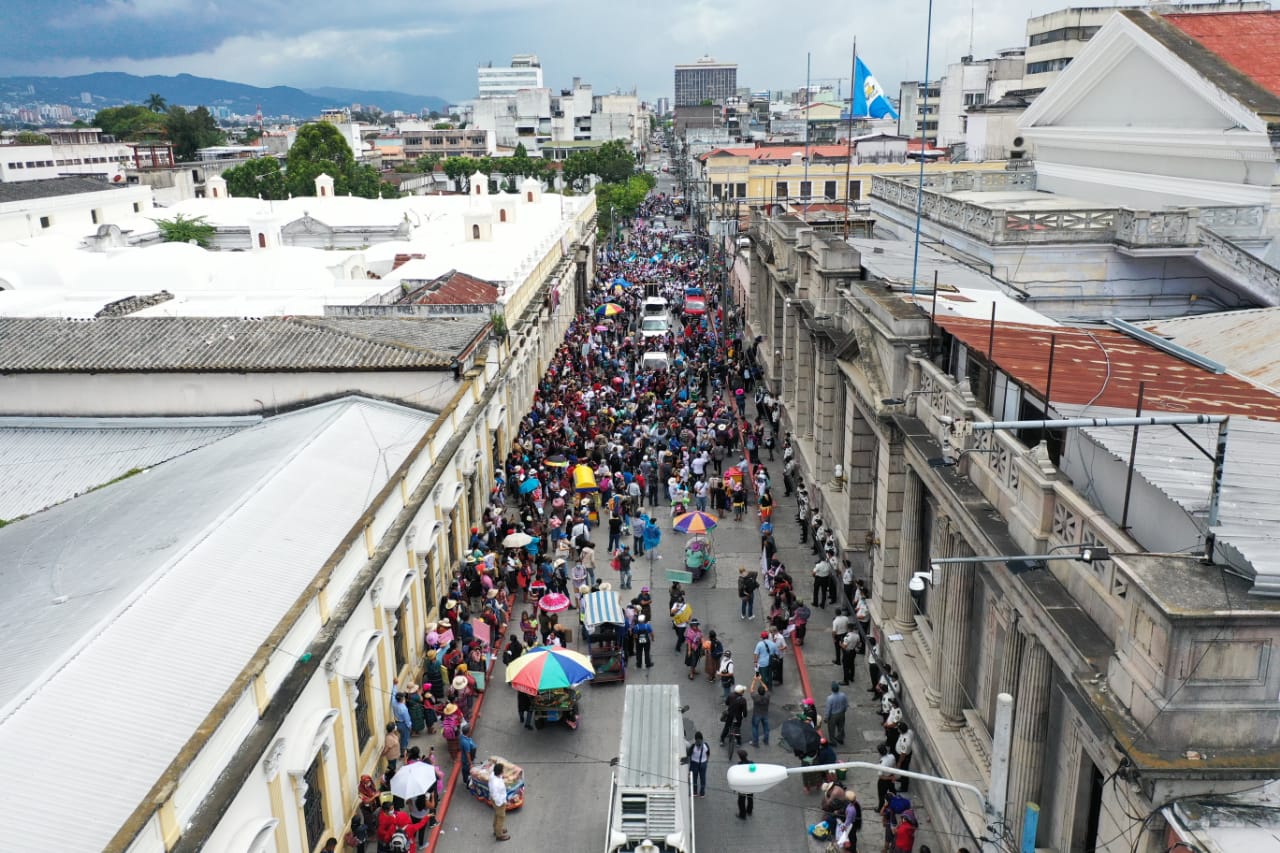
point(432, 48)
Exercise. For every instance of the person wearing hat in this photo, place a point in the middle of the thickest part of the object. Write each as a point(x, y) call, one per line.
point(693, 647)
point(765, 651)
point(734, 713)
point(451, 728)
point(833, 803)
point(643, 642)
point(851, 820)
point(434, 675)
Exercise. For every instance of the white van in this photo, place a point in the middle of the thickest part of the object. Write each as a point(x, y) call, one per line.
point(655, 360)
point(654, 306)
point(651, 800)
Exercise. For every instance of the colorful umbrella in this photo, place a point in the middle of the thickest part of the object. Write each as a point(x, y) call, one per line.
point(549, 668)
point(695, 522)
point(556, 461)
point(529, 485)
point(621, 282)
point(609, 309)
point(601, 328)
point(554, 602)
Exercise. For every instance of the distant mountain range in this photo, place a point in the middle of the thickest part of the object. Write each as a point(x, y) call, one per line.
point(112, 88)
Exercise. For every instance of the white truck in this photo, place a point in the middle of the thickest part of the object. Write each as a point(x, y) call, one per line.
point(651, 800)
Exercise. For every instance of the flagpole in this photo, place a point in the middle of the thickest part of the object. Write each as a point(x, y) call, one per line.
point(808, 98)
point(848, 162)
point(924, 143)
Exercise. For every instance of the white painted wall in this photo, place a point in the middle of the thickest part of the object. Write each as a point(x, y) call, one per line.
point(129, 394)
point(72, 214)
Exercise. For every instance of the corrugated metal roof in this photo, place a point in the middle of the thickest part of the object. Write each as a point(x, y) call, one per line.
point(1241, 341)
point(1104, 367)
point(652, 737)
point(51, 188)
point(146, 599)
point(45, 461)
point(1249, 512)
point(228, 343)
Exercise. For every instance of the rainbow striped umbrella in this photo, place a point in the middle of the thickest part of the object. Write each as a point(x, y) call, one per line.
point(609, 309)
point(695, 522)
point(549, 668)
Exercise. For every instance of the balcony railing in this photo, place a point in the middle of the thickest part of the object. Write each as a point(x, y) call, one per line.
point(1123, 226)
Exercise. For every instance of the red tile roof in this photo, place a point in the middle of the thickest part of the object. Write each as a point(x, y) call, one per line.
point(1247, 41)
point(456, 288)
point(1087, 362)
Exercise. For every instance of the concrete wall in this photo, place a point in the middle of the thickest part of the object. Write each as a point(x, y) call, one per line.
point(172, 394)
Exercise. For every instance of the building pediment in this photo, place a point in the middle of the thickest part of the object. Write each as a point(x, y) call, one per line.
point(1126, 79)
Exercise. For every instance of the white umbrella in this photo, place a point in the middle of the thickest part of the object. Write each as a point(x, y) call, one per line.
point(516, 540)
point(413, 780)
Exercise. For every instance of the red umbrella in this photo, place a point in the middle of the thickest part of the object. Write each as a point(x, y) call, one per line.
point(554, 602)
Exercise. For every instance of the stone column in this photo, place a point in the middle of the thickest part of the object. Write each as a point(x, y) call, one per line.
point(958, 579)
point(1011, 659)
point(826, 424)
point(909, 549)
point(940, 545)
point(1030, 723)
point(804, 373)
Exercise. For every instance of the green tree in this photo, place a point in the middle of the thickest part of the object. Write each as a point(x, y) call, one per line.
point(181, 229)
point(191, 131)
point(133, 122)
point(320, 149)
point(614, 162)
point(458, 169)
point(624, 198)
point(427, 163)
point(442, 125)
point(155, 103)
point(260, 176)
point(577, 168)
point(30, 137)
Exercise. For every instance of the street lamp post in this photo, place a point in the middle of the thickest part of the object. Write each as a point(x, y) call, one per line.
point(756, 778)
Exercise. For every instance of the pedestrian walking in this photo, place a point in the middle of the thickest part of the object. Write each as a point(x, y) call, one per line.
point(759, 712)
point(746, 802)
point(713, 652)
point(747, 586)
point(643, 643)
point(725, 672)
point(699, 756)
point(835, 709)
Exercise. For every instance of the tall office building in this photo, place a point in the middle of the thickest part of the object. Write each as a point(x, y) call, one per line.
point(524, 72)
point(705, 80)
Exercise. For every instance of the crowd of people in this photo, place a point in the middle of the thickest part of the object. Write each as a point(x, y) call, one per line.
point(611, 450)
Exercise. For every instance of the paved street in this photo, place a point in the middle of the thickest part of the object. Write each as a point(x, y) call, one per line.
point(568, 774)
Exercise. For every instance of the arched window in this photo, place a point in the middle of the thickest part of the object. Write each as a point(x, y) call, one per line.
point(475, 232)
point(477, 189)
point(324, 191)
point(262, 240)
point(502, 215)
point(528, 196)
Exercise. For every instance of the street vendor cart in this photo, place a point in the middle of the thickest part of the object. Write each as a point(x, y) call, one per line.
point(478, 781)
point(603, 630)
point(699, 555)
point(561, 705)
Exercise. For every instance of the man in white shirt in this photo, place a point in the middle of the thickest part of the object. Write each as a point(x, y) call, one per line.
point(821, 582)
point(839, 627)
point(498, 796)
point(906, 739)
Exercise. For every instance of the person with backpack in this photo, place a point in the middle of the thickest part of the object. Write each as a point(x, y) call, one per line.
point(451, 728)
point(643, 642)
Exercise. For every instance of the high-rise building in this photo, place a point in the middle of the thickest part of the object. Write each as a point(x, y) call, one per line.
point(705, 80)
point(1054, 39)
point(524, 72)
point(918, 108)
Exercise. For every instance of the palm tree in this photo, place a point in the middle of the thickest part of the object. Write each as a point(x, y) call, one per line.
point(156, 103)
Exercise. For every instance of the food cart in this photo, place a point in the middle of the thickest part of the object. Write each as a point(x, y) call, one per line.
point(478, 781)
point(699, 555)
point(603, 630)
point(561, 705)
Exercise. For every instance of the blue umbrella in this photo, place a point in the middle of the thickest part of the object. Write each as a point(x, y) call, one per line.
point(529, 485)
point(622, 282)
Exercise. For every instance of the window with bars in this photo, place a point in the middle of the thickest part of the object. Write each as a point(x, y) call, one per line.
point(741, 190)
point(855, 190)
point(364, 726)
point(829, 190)
point(313, 805)
point(782, 189)
point(806, 189)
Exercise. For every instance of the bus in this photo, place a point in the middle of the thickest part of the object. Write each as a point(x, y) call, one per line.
point(650, 799)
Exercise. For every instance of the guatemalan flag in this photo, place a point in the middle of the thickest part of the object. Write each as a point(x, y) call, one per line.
point(868, 95)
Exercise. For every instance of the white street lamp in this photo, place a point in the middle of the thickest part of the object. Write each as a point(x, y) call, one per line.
point(756, 778)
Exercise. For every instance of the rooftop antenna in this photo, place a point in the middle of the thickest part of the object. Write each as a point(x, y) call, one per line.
point(971, 5)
